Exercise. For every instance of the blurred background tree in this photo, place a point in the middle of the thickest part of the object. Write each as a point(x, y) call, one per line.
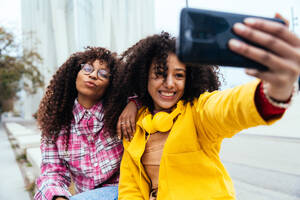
point(18, 70)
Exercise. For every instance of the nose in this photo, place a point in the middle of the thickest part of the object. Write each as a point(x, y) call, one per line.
point(169, 82)
point(93, 75)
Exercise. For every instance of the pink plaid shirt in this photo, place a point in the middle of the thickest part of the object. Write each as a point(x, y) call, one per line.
point(93, 157)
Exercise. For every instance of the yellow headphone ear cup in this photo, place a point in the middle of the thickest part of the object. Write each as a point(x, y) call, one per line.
point(162, 121)
point(147, 124)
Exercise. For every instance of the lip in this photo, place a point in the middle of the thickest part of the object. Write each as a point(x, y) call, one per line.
point(167, 97)
point(90, 84)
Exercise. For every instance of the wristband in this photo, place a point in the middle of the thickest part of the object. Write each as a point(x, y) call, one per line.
point(281, 104)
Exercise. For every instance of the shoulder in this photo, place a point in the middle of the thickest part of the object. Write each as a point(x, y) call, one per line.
point(203, 98)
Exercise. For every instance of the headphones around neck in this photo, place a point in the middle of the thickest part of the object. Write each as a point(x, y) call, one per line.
point(161, 121)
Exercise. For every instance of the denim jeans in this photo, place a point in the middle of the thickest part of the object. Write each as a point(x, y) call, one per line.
point(104, 193)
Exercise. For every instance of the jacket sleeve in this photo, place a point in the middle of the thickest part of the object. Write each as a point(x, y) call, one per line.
point(224, 113)
point(55, 177)
point(128, 187)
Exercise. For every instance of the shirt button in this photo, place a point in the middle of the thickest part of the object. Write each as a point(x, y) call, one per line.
point(95, 164)
point(66, 153)
point(90, 138)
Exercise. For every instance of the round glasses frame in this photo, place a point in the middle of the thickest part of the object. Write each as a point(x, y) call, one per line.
point(101, 73)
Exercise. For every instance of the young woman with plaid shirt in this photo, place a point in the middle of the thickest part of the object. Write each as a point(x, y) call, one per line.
point(75, 143)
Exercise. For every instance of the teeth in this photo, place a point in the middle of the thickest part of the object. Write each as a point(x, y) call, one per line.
point(168, 94)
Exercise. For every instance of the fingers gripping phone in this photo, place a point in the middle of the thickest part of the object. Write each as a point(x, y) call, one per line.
point(204, 35)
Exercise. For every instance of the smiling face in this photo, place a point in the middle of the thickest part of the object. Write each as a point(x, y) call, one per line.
point(89, 86)
point(167, 91)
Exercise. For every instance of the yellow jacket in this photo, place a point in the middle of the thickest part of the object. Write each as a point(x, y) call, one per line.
point(190, 166)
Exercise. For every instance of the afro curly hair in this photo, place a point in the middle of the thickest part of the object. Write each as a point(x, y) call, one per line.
point(133, 75)
point(55, 109)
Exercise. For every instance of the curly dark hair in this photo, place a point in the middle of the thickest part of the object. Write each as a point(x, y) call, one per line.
point(55, 109)
point(133, 78)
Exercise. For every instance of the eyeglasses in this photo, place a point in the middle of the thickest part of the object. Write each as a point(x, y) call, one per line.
point(101, 73)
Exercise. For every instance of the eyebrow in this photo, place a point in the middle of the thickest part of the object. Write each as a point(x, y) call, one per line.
point(180, 69)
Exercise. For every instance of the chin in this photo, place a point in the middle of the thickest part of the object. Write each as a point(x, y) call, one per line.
point(166, 106)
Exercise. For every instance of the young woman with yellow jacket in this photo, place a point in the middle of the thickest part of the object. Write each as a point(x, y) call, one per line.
point(174, 153)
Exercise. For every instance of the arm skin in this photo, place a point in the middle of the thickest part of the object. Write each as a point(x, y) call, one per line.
point(126, 122)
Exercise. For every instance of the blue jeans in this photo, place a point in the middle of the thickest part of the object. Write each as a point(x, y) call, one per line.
point(104, 193)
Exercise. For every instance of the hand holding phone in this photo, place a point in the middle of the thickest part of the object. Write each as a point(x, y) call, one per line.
point(204, 36)
point(281, 55)
point(263, 44)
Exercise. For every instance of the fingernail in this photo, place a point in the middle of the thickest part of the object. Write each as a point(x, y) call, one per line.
point(234, 43)
point(251, 71)
point(249, 21)
point(240, 27)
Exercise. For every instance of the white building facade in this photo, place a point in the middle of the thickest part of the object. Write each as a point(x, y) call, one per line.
point(58, 28)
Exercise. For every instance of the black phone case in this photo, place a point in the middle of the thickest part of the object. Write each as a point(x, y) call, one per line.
point(203, 38)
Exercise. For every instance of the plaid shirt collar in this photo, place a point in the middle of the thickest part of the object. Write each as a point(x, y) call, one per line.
point(79, 111)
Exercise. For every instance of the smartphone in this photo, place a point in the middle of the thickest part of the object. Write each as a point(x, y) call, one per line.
point(204, 35)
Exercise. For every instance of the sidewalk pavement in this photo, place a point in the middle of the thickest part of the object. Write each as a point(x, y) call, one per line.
point(12, 183)
point(23, 138)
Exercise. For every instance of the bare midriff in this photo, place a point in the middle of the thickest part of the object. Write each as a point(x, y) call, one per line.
point(151, 158)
